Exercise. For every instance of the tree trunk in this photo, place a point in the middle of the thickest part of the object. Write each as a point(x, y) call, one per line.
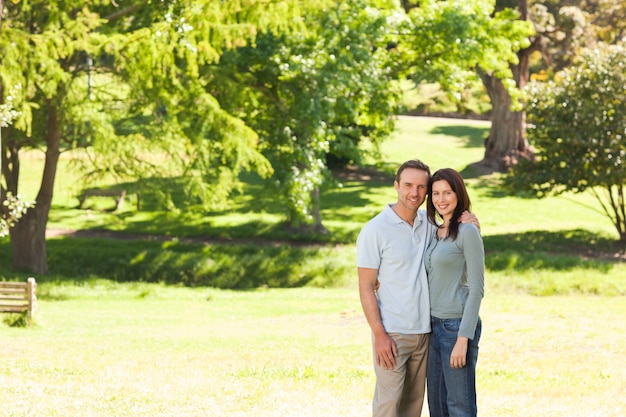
point(507, 143)
point(617, 200)
point(28, 237)
point(10, 165)
point(28, 241)
point(318, 227)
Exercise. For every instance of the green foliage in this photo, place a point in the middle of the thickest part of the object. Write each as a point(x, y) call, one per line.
point(147, 115)
point(127, 83)
point(313, 96)
point(579, 132)
point(7, 113)
point(563, 29)
point(445, 41)
point(169, 111)
point(41, 43)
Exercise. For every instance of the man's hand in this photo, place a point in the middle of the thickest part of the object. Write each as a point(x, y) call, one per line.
point(468, 217)
point(386, 351)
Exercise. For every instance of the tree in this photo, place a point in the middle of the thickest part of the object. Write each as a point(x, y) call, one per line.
point(580, 134)
point(558, 32)
point(123, 84)
point(562, 28)
point(450, 40)
point(12, 208)
point(313, 96)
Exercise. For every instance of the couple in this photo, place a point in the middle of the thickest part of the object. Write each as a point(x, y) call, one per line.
point(423, 271)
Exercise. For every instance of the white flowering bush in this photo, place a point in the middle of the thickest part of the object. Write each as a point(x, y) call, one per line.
point(15, 206)
point(7, 114)
point(15, 210)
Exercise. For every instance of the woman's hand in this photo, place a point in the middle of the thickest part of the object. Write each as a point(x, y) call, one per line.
point(458, 358)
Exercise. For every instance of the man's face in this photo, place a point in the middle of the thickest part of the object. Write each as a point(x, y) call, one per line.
point(412, 188)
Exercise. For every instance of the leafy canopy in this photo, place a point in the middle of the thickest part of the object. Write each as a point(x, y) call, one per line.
point(314, 96)
point(126, 85)
point(447, 40)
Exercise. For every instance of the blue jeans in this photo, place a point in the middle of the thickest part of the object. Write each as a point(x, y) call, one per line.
point(451, 392)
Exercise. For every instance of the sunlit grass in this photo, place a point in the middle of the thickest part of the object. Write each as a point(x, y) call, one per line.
point(102, 349)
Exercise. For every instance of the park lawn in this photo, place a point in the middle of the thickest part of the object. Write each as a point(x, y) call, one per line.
point(108, 349)
point(552, 339)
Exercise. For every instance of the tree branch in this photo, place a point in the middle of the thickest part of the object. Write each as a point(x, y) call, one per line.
point(121, 13)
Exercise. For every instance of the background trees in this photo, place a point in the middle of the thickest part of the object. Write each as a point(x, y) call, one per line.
point(313, 97)
point(139, 90)
point(579, 131)
point(126, 89)
point(182, 97)
point(562, 30)
point(558, 32)
point(452, 41)
point(38, 67)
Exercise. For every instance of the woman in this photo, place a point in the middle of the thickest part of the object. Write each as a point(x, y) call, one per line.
point(455, 263)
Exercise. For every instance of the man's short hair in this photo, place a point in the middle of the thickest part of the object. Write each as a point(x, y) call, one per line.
point(415, 164)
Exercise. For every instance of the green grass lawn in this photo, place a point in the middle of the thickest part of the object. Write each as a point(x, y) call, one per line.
point(103, 345)
point(105, 349)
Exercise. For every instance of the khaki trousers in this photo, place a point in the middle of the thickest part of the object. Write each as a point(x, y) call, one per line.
point(400, 391)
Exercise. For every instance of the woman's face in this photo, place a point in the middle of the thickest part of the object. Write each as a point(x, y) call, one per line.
point(444, 199)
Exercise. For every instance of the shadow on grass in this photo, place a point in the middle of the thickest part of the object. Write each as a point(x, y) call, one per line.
point(228, 266)
point(244, 265)
point(254, 212)
point(474, 137)
point(558, 251)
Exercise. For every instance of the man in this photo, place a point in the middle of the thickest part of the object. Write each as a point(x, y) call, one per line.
point(393, 288)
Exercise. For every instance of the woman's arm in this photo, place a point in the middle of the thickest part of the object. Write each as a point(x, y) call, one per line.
point(473, 251)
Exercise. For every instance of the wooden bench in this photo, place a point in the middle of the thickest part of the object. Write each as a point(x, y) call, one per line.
point(19, 297)
point(117, 195)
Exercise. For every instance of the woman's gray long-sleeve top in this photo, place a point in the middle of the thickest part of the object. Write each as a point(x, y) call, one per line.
point(456, 277)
